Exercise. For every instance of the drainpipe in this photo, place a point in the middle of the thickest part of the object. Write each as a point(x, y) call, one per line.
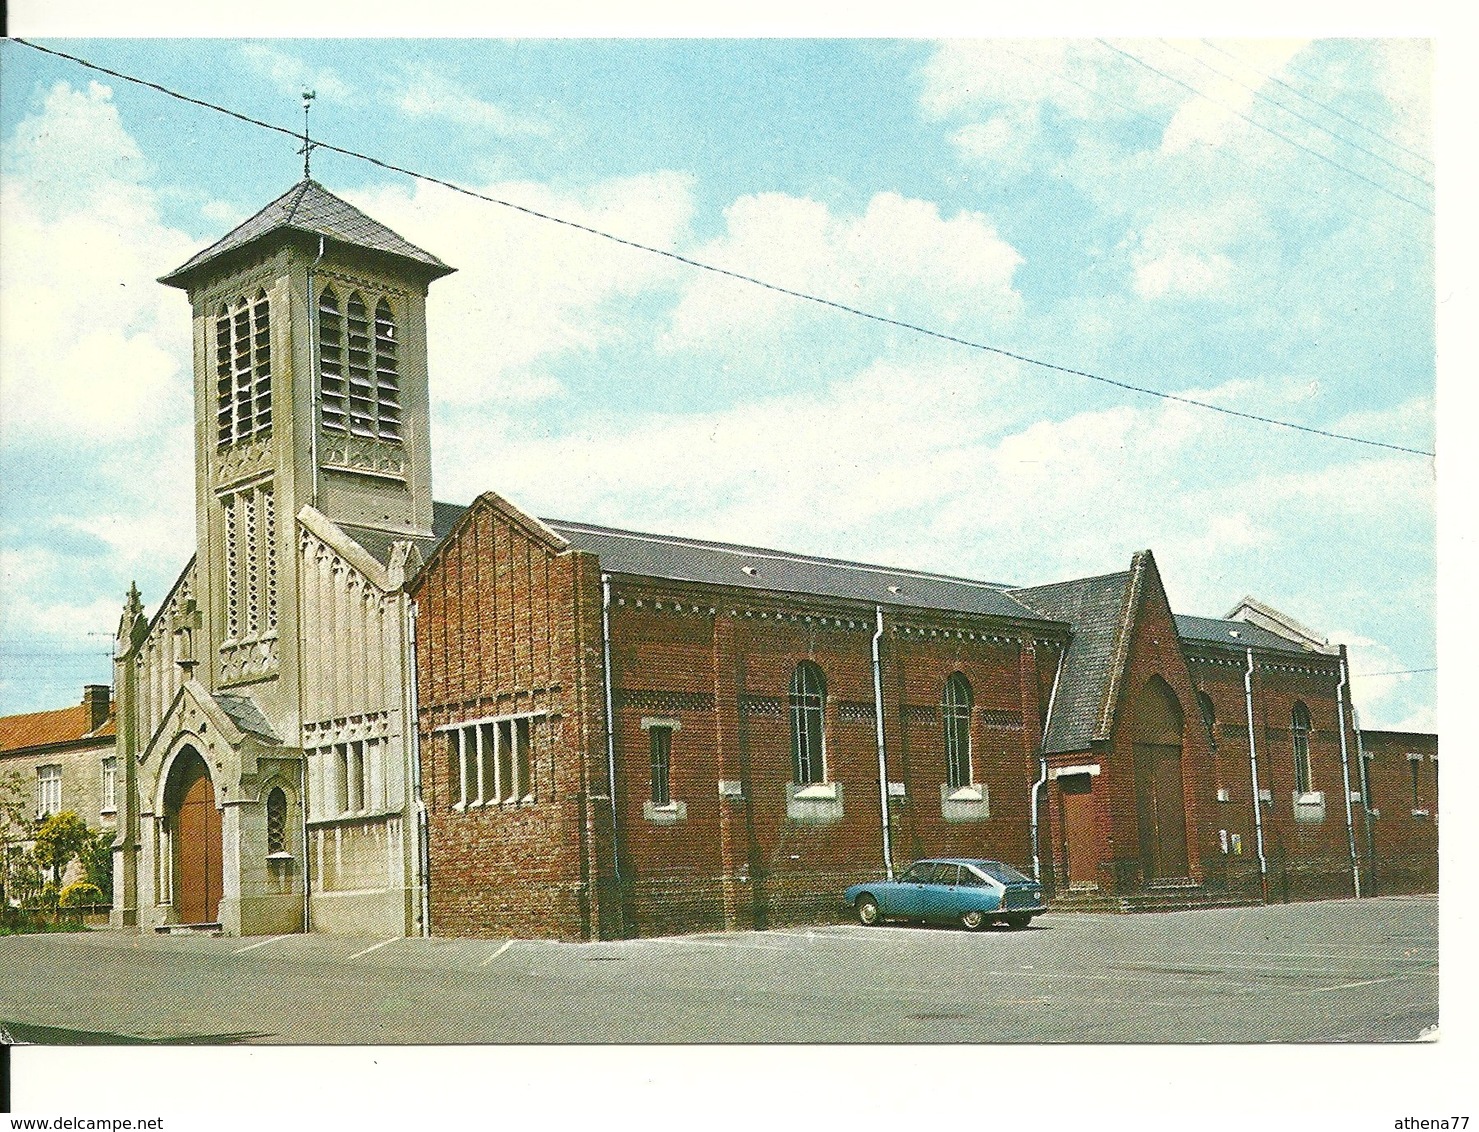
point(313, 377)
point(1253, 767)
point(888, 852)
point(1042, 767)
point(1345, 776)
point(307, 854)
point(422, 875)
point(610, 738)
point(1365, 802)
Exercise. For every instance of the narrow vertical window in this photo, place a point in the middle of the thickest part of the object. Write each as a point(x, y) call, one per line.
point(523, 784)
point(233, 567)
point(506, 786)
point(277, 821)
point(269, 558)
point(387, 375)
point(1209, 716)
point(455, 758)
point(341, 799)
point(1415, 765)
point(361, 390)
point(660, 744)
point(249, 544)
point(1299, 731)
point(486, 735)
point(808, 695)
point(956, 712)
point(110, 785)
point(331, 361)
point(243, 369)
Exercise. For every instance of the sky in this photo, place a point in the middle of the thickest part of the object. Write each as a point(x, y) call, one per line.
point(1246, 222)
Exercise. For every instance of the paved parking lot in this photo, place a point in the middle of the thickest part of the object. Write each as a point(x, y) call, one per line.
point(1327, 972)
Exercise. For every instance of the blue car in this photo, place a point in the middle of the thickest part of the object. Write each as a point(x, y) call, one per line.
point(950, 890)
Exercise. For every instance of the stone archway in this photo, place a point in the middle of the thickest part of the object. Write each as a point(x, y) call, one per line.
point(1157, 722)
point(195, 826)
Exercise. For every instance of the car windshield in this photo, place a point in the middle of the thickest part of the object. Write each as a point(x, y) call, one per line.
point(1004, 873)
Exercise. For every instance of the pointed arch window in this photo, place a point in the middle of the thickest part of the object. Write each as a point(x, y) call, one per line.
point(1299, 731)
point(1209, 715)
point(277, 821)
point(955, 710)
point(243, 370)
point(808, 695)
point(359, 366)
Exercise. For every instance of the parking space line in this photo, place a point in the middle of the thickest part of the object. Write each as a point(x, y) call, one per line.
point(680, 939)
point(506, 945)
point(259, 943)
point(376, 946)
point(1362, 983)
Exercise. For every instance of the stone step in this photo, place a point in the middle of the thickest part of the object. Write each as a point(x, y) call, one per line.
point(190, 929)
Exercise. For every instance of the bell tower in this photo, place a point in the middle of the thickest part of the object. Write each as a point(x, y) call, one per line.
point(310, 386)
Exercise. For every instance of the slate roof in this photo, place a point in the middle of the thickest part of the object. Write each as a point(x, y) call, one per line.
point(246, 715)
point(1093, 607)
point(1237, 634)
point(377, 543)
point(52, 728)
point(757, 568)
point(310, 208)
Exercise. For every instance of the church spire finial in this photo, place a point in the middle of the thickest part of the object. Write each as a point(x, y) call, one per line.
point(307, 150)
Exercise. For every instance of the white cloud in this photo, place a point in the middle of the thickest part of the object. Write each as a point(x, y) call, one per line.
point(899, 258)
point(528, 291)
point(291, 75)
point(425, 93)
point(93, 348)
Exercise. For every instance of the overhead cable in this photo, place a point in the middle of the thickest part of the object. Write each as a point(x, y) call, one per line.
point(736, 275)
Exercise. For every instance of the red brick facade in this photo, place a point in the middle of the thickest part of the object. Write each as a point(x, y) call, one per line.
point(514, 622)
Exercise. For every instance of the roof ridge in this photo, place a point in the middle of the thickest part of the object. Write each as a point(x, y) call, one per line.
point(740, 549)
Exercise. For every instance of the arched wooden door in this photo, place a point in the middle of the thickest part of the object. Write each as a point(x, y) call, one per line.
point(197, 825)
point(1160, 801)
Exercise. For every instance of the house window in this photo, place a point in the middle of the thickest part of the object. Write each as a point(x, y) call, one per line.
point(955, 710)
point(1414, 764)
point(277, 821)
point(808, 694)
point(359, 367)
point(243, 370)
point(110, 785)
point(48, 790)
point(1299, 730)
point(660, 746)
point(492, 762)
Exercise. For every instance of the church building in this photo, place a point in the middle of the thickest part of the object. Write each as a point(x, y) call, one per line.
point(358, 710)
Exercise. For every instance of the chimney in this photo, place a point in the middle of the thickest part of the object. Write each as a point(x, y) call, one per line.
point(97, 699)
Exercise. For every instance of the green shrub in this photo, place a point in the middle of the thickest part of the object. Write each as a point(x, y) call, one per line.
point(80, 894)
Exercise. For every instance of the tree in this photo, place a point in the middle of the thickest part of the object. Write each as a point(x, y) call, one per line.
point(60, 839)
point(97, 862)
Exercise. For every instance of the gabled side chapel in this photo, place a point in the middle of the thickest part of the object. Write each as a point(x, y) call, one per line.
point(361, 711)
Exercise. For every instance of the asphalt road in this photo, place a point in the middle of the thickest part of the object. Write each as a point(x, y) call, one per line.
point(1340, 971)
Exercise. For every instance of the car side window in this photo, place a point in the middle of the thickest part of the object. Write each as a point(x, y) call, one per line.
point(947, 874)
point(919, 874)
point(972, 878)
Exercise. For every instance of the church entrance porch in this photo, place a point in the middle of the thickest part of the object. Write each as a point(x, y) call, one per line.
point(196, 822)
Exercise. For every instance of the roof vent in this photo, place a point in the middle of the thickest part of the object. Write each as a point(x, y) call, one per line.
point(1233, 633)
point(896, 589)
point(750, 570)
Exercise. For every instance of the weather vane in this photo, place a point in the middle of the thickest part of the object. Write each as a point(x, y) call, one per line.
point(307, 150)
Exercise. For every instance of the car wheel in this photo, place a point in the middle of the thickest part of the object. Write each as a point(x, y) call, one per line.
point(1017, 923)
point(867, 910)
point(972, 921)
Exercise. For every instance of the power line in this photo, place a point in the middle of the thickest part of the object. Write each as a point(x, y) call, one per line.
point(1322, 105)
point(1303, 118)
point(1272, 132)
point(736, 275)
point(1398, 672)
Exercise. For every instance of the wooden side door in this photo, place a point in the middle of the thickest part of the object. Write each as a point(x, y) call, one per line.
point(1080, 838)
point(1162, 810)
point(198, 853)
